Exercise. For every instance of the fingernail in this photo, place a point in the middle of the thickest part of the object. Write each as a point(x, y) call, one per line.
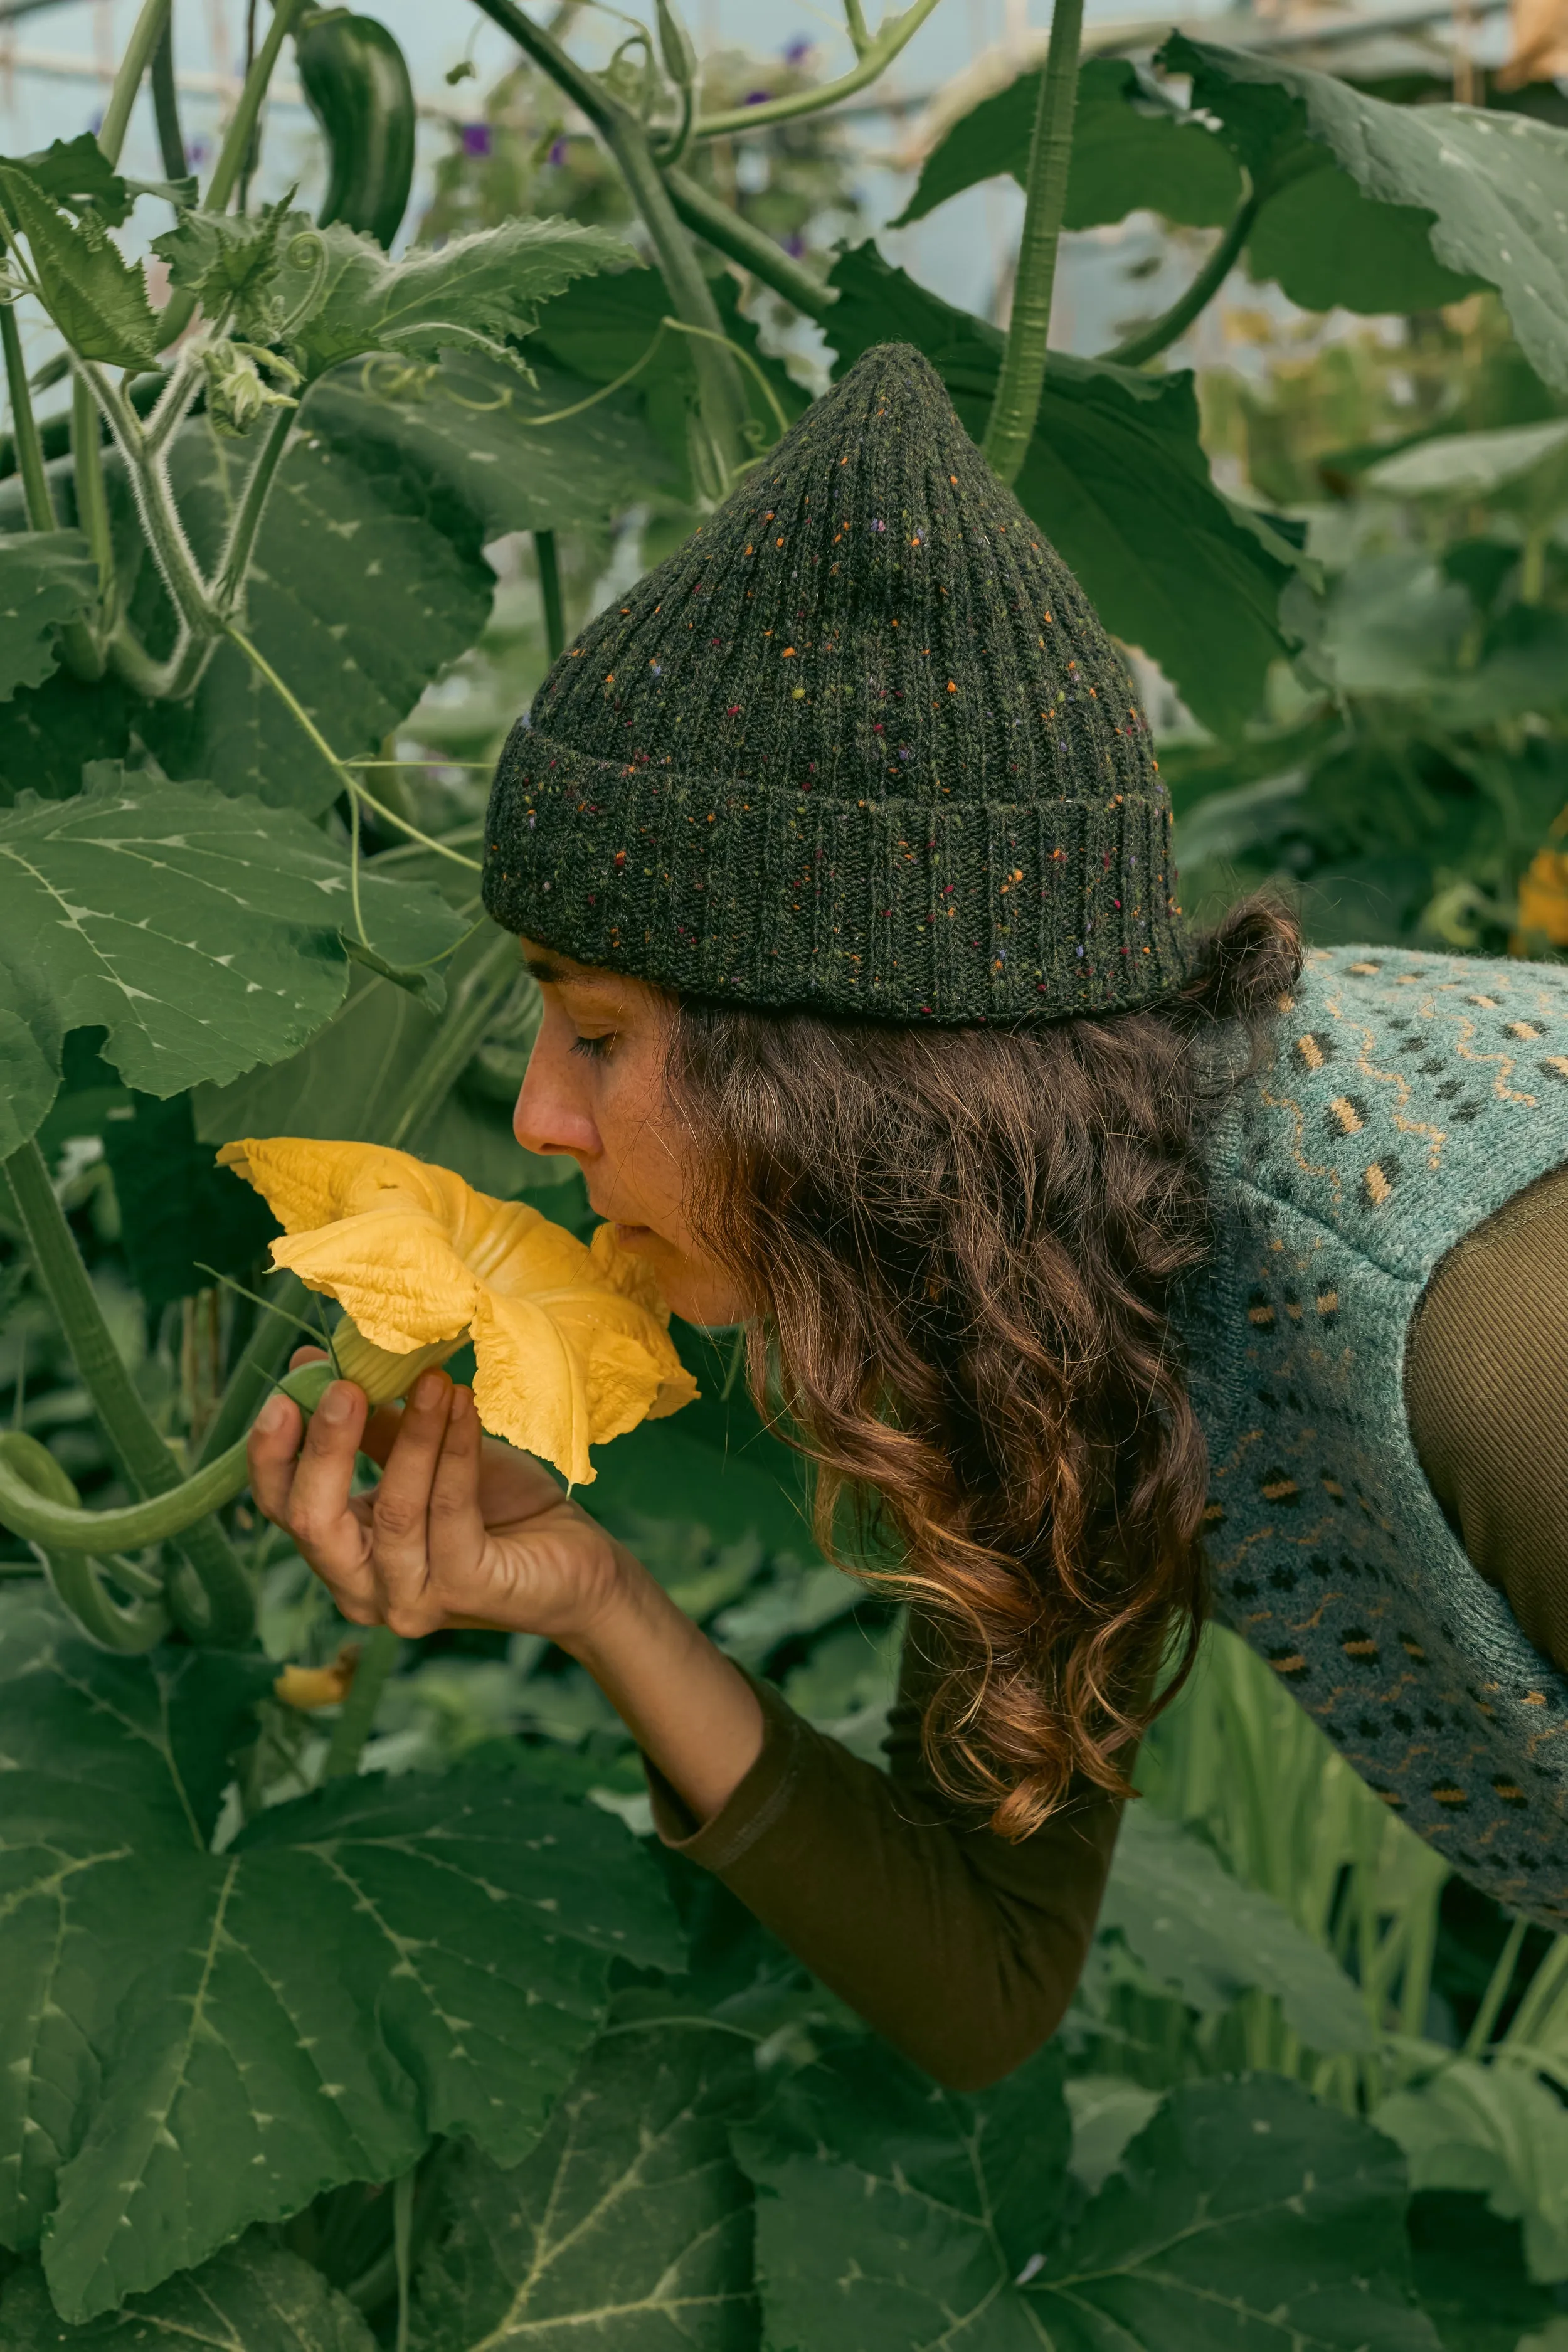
point(271, 1417)
point(427, 1392)
point(337, 1404)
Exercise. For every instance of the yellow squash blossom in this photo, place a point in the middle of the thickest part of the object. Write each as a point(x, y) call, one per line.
point(571, 1342)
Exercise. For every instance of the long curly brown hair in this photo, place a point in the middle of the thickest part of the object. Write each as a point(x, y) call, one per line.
point(959, 1245)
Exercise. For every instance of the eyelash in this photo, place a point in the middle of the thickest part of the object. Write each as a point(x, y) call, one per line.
point(593, 1049)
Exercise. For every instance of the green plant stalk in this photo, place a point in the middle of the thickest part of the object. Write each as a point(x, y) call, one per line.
point(225, 1611)
point(41, 505)
point(456, 1042)
point(145, 35)
point(876, 53)
point(255, 1369)
point(236, 146)
point(1536, 2011)
point(549, 563)
point(166, 106)
point(82, 642)
point(178, 674)
point(728, 233)
point(228, 587)
point(1496, 1991)
point(1161, 332)
point(1011, 426)
point(160, 1519)
point(352, 1726)
point(722, 395)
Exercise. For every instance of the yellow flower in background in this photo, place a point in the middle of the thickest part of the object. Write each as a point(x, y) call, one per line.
point(571, 1342)
point(1543, 896)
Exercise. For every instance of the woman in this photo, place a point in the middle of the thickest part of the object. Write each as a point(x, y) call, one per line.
point(1083, 1251)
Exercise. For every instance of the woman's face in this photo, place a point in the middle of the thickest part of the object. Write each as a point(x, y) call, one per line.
point(596, 1088)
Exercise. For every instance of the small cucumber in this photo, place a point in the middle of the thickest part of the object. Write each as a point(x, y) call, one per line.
point(355, 81)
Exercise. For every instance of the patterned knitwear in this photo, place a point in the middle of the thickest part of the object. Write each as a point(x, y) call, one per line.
point(860, 745)
point(1407, 1097)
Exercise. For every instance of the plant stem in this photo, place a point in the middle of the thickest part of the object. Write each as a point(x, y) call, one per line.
point(352, 1727)
point(725, 229)
point(549, 564)
point(346, 775)
point(228, 587)
point(456, 1042)
point(259, 1364)
point(166, 106)
point(232, 154)
point(145, 35)
point(1496, 1991)
point(41, 515)
point(155, 505)
point(57, 1526)
point(1017, 404)
point(82, 642)
point(227, 1611)
point(724, 408)
point(876, 54)
point(1164, 331)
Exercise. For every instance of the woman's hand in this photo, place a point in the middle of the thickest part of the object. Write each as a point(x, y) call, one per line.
point(461, 1530)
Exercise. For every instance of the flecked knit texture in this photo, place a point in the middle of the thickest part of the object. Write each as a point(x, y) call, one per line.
point(1408, 1097)
point(861, 744)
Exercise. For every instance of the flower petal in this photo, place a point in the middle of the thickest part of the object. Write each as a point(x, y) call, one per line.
point(393, 1270)
point(306, 1184)
point(531, 1384)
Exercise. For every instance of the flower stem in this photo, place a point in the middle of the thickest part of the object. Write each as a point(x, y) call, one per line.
point(712, 219)
point(874, 54)
point(353, 1729)
point(228, 588)
point(549, 563)
point(221, 1609)
point(1017, 401)
point(259, 1364)
point(1163, 332)
point(166, 106)
point(59, 1527)
point(41, 505)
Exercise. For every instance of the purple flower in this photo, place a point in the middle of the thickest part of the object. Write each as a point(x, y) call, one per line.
point(800, 48)
point(477, 139)
point(557, 154)
point(795, 245)
point(757, 98)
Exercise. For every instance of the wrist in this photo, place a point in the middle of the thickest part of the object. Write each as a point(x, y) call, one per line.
point(622, 1597)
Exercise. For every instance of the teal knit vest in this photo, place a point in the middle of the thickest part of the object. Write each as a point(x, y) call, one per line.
point(1405, 1097)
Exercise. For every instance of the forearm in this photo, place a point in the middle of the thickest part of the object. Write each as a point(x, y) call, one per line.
point(691, 1710)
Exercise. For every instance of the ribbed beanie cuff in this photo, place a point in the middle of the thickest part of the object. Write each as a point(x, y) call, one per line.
point(861, 746)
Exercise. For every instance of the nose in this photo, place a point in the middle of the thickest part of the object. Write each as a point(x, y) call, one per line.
point(551, 1114)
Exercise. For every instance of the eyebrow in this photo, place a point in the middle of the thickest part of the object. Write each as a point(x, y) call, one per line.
point(551, 974)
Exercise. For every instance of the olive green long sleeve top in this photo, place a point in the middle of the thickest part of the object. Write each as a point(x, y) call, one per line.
point(963, 1949)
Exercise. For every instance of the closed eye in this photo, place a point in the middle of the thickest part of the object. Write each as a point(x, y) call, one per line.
point(594, 1049)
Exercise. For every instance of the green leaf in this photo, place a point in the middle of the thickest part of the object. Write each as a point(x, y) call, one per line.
point(1245, 2214)
point(46, 577)
point(477, 290)
point(95, 297)
point(1470, 2273)
point(202, 932)
point(469, 428)
point(1132, 149)
point(1199, 1930)
point(368, 583)
point(363, 1968)
point(1116, 475)
point(252, 2297)
point(1459, 465)
point(230, 261)
point(1499, 2129)
point(77, 172)
point(1494, 186)
point(1328, 244)
point(177, 1207)
point(628, 2226)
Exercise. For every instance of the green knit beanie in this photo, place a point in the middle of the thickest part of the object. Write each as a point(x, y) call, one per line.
point(860, 745)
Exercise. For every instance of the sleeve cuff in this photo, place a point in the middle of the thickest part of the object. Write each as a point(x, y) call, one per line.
point(753, 1806)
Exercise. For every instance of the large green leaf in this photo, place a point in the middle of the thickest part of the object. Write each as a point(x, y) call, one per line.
point(180, 1214)
point(202, 933)
point(1471, 2278)
point(96, 298)
point(1493, 188)
point(903, 2218)
point(476, 290)
point(1199, 1930)
point(252, 2297)
point(628, 2226)
point(1501, 2130)
point(1131, 150)
point(368, 582)
point(1117, 477)
point(46, 577)
point(470, 428)
point(76, 172)
point(367, 1966)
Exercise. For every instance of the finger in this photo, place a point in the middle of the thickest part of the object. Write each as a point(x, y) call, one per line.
point(306, 1356)
point(457, 1526)
point(400, 1513)
point(332, 1535)
point(270, 1450)
point(379, 1435)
